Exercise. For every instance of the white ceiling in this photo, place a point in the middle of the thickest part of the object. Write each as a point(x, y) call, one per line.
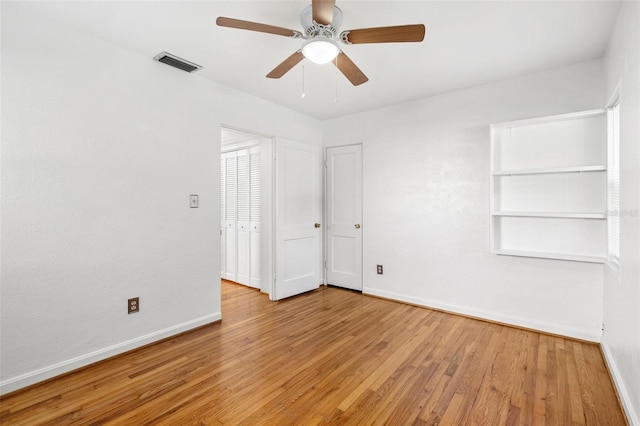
point(467, 43)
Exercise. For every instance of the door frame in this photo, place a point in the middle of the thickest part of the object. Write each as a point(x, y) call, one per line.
point(325, 211)
point(267, 243)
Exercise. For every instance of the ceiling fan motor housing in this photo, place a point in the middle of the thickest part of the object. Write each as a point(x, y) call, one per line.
point(313, 29)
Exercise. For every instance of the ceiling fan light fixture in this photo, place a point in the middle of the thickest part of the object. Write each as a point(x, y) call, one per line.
point(320, 50)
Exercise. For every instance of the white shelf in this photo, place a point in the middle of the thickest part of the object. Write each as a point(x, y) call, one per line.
point(548, 187)
point(569, 215)
point(578, 169)
point(545, 255)
point(551, 118)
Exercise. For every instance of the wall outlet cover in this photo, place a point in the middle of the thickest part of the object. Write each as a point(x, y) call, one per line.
point(133, 305)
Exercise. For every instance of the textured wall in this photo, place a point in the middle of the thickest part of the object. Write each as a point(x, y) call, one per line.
point(100, 151)
point(426, 204)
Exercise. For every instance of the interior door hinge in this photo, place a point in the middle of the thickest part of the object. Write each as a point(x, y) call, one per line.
point(325, 265)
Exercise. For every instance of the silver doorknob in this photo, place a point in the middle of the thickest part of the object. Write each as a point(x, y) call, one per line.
point(317, 225)
point(357, 226)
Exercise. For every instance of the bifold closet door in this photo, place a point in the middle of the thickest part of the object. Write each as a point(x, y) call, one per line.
point(241, 202)
point(255, 214)
point(223, 243)
point(242, 236)
point(230, 189)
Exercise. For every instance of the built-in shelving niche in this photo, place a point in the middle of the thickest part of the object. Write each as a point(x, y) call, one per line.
point(548, 187)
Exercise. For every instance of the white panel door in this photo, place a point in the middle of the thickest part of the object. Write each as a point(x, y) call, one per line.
point(297, 218)
point(344, 216)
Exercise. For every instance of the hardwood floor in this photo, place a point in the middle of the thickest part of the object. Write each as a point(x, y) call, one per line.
point(333, 356)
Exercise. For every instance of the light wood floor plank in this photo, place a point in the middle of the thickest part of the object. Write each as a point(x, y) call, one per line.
point(333, 356)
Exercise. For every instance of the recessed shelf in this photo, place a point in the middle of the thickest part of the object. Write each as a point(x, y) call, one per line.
point(548, 187)
point(570, 215)
point(577, 169)
point(545, 255)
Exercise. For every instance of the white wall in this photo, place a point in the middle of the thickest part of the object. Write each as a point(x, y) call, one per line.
point(100, 151)
point(426, 205)
point(101, 148)
point(621, 339)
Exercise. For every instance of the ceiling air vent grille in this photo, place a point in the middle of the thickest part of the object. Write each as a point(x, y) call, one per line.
point(174, 61)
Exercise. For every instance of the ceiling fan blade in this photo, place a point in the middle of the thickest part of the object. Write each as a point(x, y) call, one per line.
point(350, 70)
point(254, 26)
point(323, 11)
point(286, 65)
point(396, 34)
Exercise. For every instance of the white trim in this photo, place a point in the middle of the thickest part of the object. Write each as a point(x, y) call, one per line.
point(625, 399)
point(490, 315)
point(592, 215)
point(614, 222)
point(615, 95)
point(615, 268)
point(551, 255)
point(62, 367)
point(549, 171)
point(550, 118)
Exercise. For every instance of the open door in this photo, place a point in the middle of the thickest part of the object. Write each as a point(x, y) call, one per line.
point(298, 229)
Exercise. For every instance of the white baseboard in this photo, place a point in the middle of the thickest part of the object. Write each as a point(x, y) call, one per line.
point(489, 315)
point(625, 399)
point(50, 371)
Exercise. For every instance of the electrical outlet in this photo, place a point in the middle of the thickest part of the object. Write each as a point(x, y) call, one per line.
point(133, 305)
point(193, 201)
point(379, 269)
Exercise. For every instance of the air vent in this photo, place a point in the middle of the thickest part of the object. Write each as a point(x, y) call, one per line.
point(174, 61)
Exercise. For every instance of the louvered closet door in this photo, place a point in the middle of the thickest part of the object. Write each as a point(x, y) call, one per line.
point(223, 244)
point(255, 213)
point(243, 237)
point(241, 200)
point(230, 215)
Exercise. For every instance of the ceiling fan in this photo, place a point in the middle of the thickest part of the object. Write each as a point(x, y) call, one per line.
point(321, 21)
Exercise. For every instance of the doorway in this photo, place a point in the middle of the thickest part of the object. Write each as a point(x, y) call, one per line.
point(246, 205)
point(344, 216)
point(270, 216)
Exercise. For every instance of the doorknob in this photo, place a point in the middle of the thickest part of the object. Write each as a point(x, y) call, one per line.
point(357, 226)
point(317, 225)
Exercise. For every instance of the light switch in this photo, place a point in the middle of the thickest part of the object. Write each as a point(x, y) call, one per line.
point(193, 201)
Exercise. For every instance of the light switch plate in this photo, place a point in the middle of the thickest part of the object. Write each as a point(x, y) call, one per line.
point(193, 201)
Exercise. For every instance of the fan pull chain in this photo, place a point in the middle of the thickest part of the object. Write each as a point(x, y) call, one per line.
point(335, 99)
point(303, 93)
